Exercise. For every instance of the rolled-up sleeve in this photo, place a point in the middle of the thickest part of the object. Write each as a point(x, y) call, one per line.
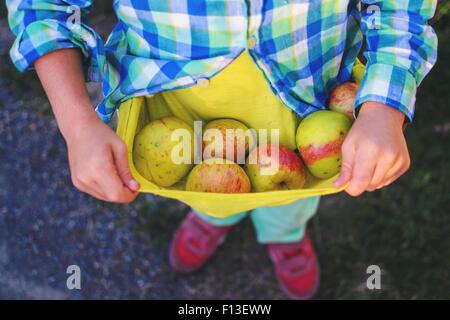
point(44, 26)
point(401, 48)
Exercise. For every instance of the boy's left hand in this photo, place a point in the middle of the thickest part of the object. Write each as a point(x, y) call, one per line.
point(374, 153)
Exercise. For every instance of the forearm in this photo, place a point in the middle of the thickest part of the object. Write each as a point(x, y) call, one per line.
point(391, 115)
point(400, 49)
point(61, 75)
point(98, 158)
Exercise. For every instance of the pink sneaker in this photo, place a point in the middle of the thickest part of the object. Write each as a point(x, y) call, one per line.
point(194, 243)
point(296, 268)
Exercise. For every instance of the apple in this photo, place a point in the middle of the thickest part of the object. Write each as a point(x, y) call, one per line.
point(218, 175)
point(275, 167)
point(319, 139)
point(227, 138)
point(359, 69)
point(155, 147)
point(343, 97)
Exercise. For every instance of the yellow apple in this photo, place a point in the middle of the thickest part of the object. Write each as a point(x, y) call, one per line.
point(163, 151)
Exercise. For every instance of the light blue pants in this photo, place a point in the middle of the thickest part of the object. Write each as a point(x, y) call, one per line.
point(286, 223)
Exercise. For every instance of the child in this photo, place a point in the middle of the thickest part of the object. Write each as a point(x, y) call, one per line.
point(292, 52)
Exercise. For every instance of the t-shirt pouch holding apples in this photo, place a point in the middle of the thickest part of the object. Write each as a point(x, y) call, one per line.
point(319, 139)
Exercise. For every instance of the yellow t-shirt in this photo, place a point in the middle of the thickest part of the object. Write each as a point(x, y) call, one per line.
point(239, 92)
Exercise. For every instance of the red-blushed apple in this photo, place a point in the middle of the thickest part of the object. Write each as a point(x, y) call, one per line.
point(319, 140)
point(218, 175)
point(228, 139)
point(343, 97)
point(275, 167)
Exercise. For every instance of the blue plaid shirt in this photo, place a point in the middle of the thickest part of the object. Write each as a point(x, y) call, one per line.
point(304, 48)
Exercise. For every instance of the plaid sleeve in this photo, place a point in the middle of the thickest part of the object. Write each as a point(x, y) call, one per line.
point(42, 26)
point(401, 48)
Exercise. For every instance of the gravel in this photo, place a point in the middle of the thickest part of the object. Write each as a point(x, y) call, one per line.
point(47, 225)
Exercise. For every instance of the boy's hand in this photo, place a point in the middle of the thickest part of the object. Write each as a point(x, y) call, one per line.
point(374, 152)
point(99, 162)
point(98, 158)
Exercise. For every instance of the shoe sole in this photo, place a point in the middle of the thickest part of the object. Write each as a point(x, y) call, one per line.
point(301, 296)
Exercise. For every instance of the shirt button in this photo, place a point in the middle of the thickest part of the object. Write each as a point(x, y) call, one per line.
point(251, 42)
point(203, 82)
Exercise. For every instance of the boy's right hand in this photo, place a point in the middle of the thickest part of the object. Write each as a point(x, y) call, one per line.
point(98, 158)
point(98, 162)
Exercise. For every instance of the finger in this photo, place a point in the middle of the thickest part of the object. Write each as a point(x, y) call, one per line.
point(113, 189)
point(93, 190)
point(395, 171)
point(96, 195)
point(394, 174)
point(379, 175)
point(120, 155)
point(345, 173)
point(344, 176)
point(111, 184)
point(363, 170)
point(96, 190)
point(388, 182)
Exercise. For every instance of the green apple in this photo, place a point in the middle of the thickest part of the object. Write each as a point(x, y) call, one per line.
point(272, 167)
point(319, 140)
point(163, 151)
point(218, 175)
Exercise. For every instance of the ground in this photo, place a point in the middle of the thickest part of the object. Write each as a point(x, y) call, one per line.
point(47, 225)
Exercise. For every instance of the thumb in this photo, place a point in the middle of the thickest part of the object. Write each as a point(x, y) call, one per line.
point(346, 169)
point(120, 154)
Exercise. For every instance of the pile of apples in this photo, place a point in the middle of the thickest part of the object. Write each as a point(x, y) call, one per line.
point(319, 139)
